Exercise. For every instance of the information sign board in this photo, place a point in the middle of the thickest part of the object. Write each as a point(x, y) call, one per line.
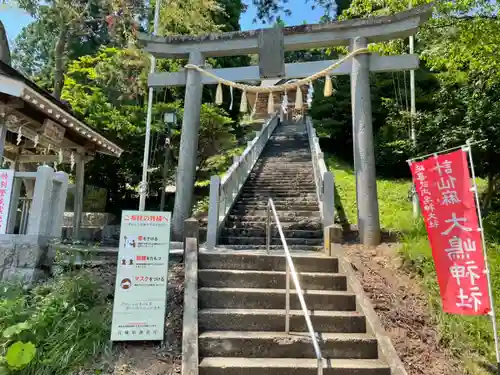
point(141, 276)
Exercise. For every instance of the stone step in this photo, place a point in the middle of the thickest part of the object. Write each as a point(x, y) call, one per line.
point(261, 214)
point(275, 187)
point(280, 157)
point(271, 165)
point(261, 232)
point(286, 171)
point(289, 366)
point(308, 202)
point(289, 140)
point(253, 298)
point(289, 171)
point(280, 181)
point(256, 185)
point(280, 185)
point(284, 167)
point(281, 201)
point(239, 260)
point(305, 162)
point(306, 188)
point(283, 345)
point(261, 204)
point(276, 180)
point(300, 224)
point(288, 143)
point(278, 249)
point(274, 241)
point(278, 194)
point(274, 320)
point(288, 149)
point(269, 279)
point(242, 206)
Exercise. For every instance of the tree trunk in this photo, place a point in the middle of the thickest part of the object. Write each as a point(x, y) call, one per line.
point(59, 61)
point(489, 193)
point(4, 45)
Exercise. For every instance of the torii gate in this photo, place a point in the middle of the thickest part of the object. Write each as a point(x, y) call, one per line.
point(271, 44)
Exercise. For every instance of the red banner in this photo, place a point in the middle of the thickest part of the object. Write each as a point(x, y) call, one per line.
point(447, 200)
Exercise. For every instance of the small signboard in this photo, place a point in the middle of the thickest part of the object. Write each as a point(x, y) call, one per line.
point(141, 277)
point(6, 182)
point(53, 131)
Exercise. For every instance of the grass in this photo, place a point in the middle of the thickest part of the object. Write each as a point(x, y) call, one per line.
point(68, 319)
point(470, 339)
point(394, 207)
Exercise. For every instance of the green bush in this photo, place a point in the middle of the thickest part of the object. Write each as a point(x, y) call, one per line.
point(492, 226)
point(55, 328)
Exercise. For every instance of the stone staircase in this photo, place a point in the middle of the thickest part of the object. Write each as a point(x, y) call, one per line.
point(241, 289)
point(284, 173)
point(241, 317)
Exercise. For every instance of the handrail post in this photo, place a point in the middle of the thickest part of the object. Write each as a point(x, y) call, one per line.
point(213, 212)
point(287, 316)
point(268, 227)
point(328, 199)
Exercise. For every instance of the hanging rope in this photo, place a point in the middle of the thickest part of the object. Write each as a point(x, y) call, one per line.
point(283, 87)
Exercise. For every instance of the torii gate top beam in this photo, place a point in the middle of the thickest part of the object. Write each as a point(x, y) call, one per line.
point(374, 29)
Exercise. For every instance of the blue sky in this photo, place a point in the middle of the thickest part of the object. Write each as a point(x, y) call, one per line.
point(15, 19)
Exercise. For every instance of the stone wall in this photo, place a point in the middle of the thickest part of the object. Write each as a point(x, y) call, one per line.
point(93, 224)
point(25, 257)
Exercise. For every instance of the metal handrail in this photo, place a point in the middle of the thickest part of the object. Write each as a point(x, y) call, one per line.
point(290, 268)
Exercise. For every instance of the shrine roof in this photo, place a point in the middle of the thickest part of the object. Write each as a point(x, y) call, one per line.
point(30, 105)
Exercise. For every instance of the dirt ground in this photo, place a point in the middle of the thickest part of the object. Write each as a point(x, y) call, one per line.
point(146, 358)
point(402, 307)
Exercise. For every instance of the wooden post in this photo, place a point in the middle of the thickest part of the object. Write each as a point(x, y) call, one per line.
point(188, 153)
point(3, 134)
point(78, 195)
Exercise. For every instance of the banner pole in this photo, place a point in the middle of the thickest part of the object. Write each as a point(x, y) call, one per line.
point(443, 151)
point(486, 264)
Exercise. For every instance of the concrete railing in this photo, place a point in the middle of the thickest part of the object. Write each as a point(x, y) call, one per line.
point(224, 191)
point(325, 188)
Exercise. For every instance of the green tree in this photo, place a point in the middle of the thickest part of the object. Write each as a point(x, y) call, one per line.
point(73, 29)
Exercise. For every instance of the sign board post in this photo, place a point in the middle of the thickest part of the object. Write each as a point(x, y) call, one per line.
point(141, 277)
point(6, 183)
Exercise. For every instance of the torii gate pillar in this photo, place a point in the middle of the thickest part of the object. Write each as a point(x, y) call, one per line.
point(364, 154)
point(188, 152)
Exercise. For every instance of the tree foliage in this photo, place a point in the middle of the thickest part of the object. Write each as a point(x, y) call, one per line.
point(456, 89)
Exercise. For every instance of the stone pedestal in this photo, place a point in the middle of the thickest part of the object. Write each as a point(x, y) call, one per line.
point(26, 258)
